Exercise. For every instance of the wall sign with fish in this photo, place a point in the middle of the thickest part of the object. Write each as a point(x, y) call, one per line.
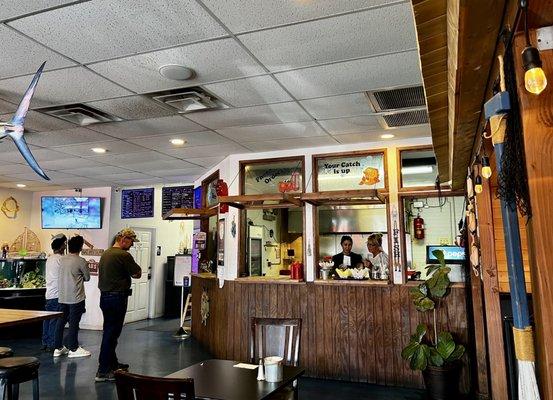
point(358, 171)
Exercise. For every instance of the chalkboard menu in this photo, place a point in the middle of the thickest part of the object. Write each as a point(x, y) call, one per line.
point(176, 197)
point(137, 203)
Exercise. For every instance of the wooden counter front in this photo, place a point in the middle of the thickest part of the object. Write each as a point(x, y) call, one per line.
point(349, 332)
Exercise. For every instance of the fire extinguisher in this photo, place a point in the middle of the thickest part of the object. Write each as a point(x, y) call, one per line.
point(222, 190)
point(418, 225)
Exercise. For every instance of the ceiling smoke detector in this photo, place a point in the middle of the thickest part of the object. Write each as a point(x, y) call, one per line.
point(188, 100)
point(176, 72)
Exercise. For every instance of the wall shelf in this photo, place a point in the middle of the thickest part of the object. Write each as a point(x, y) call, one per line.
point(345, 197)
point(262, 201)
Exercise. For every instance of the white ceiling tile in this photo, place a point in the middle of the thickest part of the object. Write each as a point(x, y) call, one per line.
point(122, 176)
point(31, 185)
point(54, 176)
point(290, 144)
point(6, 107)
point(178, 172)
point(207, 151)
point(243, 15)
point(211, 61)
point(182, 179)
point(400, 133)
point(93, 172)
point(162, 142)
point(39, 154)
point(65, 137)
point(249, 92)
point(102, 29)
point(113, 148)
point(157, 165)
point(15, 168)
point(147, 127)
point(206, 161)
point(126, 160)
point(25, 55)
point(68, 164)
point(12, 9)
point(143, 181)
point(340, 38)
point(257, 115)
point(39, 122)
point(71, 85)
point(131, 107)
point(347, 105)
point(392, 70)
point(274, 131)
point(351, 125)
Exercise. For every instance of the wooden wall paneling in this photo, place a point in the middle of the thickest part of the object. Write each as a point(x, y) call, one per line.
point(387, 336)
point(370, 334)
point(229, 301)
point(354, 309)
point(537, 121)
point(378, 338)
point(307, 341)
point(342, 335)
point(395, 308)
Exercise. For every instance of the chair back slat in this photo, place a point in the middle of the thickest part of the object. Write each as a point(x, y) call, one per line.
point(275, 337)
point(140, 387)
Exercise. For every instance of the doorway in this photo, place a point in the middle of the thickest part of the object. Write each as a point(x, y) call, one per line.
point(139, 300)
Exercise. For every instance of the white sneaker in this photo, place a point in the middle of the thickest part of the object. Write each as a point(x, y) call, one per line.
point(80, 352)
point(61, 352)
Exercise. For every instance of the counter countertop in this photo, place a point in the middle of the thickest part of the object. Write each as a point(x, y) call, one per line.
point(270, 279)
point(352, 282)
point(205, 275)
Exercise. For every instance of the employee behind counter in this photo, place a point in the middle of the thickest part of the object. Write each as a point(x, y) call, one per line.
point(347, 258)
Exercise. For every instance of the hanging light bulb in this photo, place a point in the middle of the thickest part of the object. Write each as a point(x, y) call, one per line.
point(478, 185)
point(534, 77)
point(486, 169)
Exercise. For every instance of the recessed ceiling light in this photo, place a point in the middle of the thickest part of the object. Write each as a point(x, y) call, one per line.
point(178, 142)
point(21, 185)
point(98, 150)
point(387, 136)
point(176, 72)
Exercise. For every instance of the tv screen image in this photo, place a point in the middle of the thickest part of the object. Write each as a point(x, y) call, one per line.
point(71, 212)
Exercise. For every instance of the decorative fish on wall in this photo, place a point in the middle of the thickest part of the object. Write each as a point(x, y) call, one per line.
point(15, 129)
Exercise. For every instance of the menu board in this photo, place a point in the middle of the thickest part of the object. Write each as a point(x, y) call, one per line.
point(137, 203)
point(176, 197)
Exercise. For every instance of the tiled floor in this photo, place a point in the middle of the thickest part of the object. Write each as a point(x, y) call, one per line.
point(157, 353)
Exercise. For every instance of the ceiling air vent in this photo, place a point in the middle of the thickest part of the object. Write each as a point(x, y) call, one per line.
point(188, 100)
point(394, 99)
point(80, 114)
point(417, 117)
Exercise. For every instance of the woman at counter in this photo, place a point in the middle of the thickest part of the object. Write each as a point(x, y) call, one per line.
point(377, 260)
point(347, 258)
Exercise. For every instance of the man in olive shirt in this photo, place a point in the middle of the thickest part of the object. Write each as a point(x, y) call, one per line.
point(115, 270)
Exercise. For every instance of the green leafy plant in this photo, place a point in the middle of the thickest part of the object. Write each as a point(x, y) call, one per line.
point(441, 349)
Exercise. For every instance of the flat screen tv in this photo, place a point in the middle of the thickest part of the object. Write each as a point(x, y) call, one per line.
point(71, 212)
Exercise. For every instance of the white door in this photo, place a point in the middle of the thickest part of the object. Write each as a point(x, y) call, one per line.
point(138, 301)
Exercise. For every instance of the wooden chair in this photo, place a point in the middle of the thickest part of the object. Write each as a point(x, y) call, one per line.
point(139, 387)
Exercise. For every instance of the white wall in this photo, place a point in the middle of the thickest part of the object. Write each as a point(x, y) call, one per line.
point(11, 228)
point(229, 172)
point(168, 235)
point(92, 319)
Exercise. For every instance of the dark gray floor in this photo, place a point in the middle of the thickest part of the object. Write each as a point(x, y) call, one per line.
point(157, 353)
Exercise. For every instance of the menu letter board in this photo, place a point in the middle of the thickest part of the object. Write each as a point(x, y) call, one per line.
point(176, 197)
point(137, 203)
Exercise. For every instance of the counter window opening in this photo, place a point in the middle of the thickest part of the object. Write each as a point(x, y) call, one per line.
point(208, 256)
point(273, 232)
point(430, 222)
point(418, 168)
point(352, 221)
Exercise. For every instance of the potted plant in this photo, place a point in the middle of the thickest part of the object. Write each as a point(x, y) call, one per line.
point(436, 354)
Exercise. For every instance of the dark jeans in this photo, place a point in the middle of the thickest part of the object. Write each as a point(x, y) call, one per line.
point(49, 325)
point(72, 313)
point(114, 308)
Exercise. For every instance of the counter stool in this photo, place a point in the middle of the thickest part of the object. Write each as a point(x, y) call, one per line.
point(16, 370)
point(5, 352)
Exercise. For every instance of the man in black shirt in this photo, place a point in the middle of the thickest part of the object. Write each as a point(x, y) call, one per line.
point(115, 270)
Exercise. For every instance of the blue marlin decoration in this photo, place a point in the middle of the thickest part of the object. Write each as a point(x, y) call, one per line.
point(15, 128)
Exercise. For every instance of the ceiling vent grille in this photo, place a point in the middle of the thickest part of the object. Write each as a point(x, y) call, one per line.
point(417, 117)
point(188, 100)
point(394, 99)
point(80, 114)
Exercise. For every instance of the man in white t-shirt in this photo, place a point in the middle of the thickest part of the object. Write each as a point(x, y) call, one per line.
point(59, 243)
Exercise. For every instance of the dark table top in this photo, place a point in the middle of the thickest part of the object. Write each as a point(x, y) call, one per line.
point(218, 379)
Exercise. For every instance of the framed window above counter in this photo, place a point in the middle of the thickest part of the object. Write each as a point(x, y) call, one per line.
point(417, 168)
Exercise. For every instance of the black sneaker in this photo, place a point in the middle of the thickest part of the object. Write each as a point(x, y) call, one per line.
point(122, 366)
point(107, 377)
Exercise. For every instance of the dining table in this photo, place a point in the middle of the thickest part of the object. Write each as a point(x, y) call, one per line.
point(10, 317)
point(221, 380)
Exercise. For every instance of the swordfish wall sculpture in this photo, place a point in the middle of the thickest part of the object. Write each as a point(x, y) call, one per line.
point(15, 129)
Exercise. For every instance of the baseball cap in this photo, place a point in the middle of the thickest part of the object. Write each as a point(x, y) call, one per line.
point(128, 233)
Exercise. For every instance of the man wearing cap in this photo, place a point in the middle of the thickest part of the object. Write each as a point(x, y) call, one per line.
point(115, 270)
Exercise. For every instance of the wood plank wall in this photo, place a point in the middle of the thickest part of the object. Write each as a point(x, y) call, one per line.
point(353, 333)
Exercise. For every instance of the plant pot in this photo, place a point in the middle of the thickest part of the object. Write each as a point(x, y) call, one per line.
point(442, 383)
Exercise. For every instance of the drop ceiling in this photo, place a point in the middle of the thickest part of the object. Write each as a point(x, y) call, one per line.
point(294, 73)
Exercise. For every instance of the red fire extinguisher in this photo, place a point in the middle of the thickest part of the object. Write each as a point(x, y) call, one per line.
point(418, 225)
point(222, 190)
